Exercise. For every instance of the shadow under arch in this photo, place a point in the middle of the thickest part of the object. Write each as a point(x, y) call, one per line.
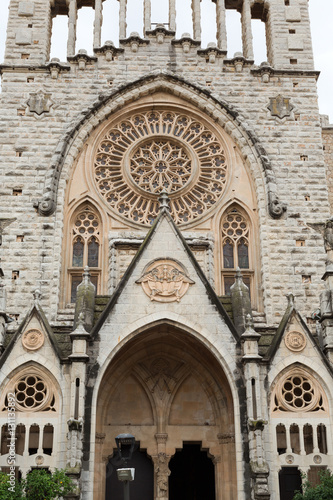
point(166, 388)
point(219, 110)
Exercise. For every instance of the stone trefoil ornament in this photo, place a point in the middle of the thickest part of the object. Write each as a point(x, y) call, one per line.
point(165, 280)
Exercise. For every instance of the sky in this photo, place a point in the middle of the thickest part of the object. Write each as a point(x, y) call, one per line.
point(321, 15)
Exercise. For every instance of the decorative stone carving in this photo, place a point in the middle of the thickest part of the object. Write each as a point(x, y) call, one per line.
point(163, 472)
point(33, 339)
point(290, 459)
point(317, 459)
point(33, 393)
point(280, 106)
point(161, 380)
point(39, 460)
point(295, 341)
point(160, 150)
point(39, 102)
point(297, 392)
point(165, 280)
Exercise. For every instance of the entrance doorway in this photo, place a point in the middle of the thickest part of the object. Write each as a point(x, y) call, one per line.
point(290, 480)
point(192, 475)
point(143, 485)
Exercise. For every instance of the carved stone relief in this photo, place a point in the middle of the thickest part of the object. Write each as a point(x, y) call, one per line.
point(165, 280)
point(39, 102)
point(33, 339)
point(295, 341)
point(280, 106)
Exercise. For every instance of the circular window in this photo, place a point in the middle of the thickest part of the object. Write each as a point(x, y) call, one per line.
point(298, 392)
point(158, 150)
point(32, 393)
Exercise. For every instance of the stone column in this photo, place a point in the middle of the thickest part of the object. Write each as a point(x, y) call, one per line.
point(288, 443)
point(196, 19)
point(161, 467)
point(122, 18)
point(40, 441)
point(326, 297)
point(26, 441)
point(172, 15)
point(98, 23)
point(72, 19)
point(221, 25)
point(247, 30)
point(251, 360)
point(146, 16)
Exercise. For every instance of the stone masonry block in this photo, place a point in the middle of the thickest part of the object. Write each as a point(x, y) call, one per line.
point(26, 9)
point(293, 14)
point(295, 42)
point(23, 37)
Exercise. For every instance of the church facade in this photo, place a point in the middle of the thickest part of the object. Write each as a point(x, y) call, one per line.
point(166, 254)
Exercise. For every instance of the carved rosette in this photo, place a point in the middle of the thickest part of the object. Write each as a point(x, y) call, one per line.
point(165, 280)
point(295, 341)
point(152, 151)
point(33, 339)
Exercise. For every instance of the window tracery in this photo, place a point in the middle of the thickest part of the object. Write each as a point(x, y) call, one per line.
point(160, 150)
point(235, 248)
point(298, 392)
point(86, 243)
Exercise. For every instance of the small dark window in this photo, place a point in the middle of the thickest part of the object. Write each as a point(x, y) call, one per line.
point(78, 253)
point(228, 255)
point(243, 255)
point(93, 248)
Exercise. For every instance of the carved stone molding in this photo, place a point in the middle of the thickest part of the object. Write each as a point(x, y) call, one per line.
point(165, 280)
point(295, 341)
point(226, 438)
point(33, 339)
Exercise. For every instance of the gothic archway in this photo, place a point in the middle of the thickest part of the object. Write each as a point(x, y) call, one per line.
point(167, 388)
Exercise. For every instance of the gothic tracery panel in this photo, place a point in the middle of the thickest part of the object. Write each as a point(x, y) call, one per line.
point(152, 151)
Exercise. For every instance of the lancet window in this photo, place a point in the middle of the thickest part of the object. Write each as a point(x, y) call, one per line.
point(235, 249)
point(86, 244)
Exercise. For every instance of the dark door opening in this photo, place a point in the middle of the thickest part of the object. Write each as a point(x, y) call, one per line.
point(142, 488)
point(290, 480)
point(192, 475)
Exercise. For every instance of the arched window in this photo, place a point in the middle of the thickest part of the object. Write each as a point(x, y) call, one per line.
point(85, 248)
point(300, 422)
point(36, 431)
point(235, 249)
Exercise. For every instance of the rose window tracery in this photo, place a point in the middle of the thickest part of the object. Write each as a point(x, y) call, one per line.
point(159, 165)
point(160, 150)
point(298, 392)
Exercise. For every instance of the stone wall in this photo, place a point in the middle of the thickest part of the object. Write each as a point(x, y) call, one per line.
point(328, 155)
point(41, 103)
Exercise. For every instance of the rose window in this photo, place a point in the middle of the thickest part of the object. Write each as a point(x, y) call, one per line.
point(160, 165)
point(298, 392)
point(158, 150)
point(32, 394)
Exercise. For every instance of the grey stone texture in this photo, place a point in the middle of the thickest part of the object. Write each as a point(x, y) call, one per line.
point(288, 157)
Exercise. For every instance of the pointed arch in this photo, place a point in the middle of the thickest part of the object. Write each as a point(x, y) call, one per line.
point(223, 113)
point(82, 246)
point(238, 233)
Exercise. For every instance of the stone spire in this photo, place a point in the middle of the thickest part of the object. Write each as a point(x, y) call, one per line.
point(85, 302)
point(241, 304)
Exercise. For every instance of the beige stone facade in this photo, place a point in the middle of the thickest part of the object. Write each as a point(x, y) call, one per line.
point(163, 167)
